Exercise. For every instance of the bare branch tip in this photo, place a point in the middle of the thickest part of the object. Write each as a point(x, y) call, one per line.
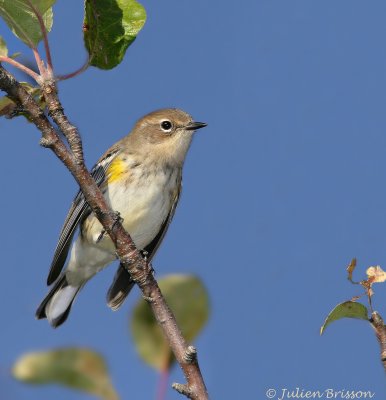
point(45, 142)
point(182, 389)
point(148, 299)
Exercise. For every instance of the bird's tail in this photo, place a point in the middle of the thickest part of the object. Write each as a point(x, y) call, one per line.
point(57, 304)
point(119, 289)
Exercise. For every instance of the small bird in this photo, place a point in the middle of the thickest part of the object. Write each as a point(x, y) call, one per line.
point(140, 177)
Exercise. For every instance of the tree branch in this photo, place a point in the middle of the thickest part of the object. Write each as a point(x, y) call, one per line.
point(380, 332)
point(130, 257)
point(56, 112)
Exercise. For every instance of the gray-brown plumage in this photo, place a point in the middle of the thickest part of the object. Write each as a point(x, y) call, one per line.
point(140, 177)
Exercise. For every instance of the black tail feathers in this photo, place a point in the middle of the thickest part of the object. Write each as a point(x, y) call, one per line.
point(119, 289)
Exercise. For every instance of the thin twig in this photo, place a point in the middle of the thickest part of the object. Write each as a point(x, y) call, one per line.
point(129, 256)
point(22, 67)
point(183, 389)
point(380, 331)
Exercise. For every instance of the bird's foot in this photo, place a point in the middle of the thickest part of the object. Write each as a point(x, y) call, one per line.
point(117, 217)
point(144, 254)
point(101, 236)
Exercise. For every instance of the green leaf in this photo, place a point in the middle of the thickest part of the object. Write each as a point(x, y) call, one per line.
point(3, 48)
point(15, 55)
point(189, 301)
point(9, 109)
point(110, 26)
point(348, 309)
point(21, 19)
point(76, 368)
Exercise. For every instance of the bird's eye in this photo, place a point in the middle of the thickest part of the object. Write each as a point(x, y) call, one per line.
point(166, 126)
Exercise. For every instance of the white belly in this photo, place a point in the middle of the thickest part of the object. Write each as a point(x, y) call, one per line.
point(143, 208)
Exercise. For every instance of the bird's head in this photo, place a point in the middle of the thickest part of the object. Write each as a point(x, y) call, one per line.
point(165, 134)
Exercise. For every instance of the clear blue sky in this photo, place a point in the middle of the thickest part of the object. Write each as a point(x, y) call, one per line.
point(285, 185)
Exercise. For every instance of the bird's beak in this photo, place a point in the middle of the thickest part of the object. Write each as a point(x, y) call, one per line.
point(193, 126)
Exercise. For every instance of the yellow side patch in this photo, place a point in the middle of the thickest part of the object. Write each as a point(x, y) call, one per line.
point(116, 169)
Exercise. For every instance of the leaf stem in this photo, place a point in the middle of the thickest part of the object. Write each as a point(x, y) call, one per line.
point(39, 62)
point(163, 383)
point(75, 73)
point(45, 40)
point(22, 67)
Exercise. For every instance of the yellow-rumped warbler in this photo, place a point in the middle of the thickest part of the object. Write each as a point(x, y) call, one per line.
point(140, 177)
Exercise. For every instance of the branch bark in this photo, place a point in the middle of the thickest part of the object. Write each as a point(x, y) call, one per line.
point(130, 257)
point(56, 112)
point(380, 332)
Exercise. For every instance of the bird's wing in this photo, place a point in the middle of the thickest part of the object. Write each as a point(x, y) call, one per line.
point(78, 211)
point(122, 283)
point(152, 247)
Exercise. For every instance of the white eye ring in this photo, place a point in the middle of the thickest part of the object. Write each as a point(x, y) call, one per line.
point(166, 125)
